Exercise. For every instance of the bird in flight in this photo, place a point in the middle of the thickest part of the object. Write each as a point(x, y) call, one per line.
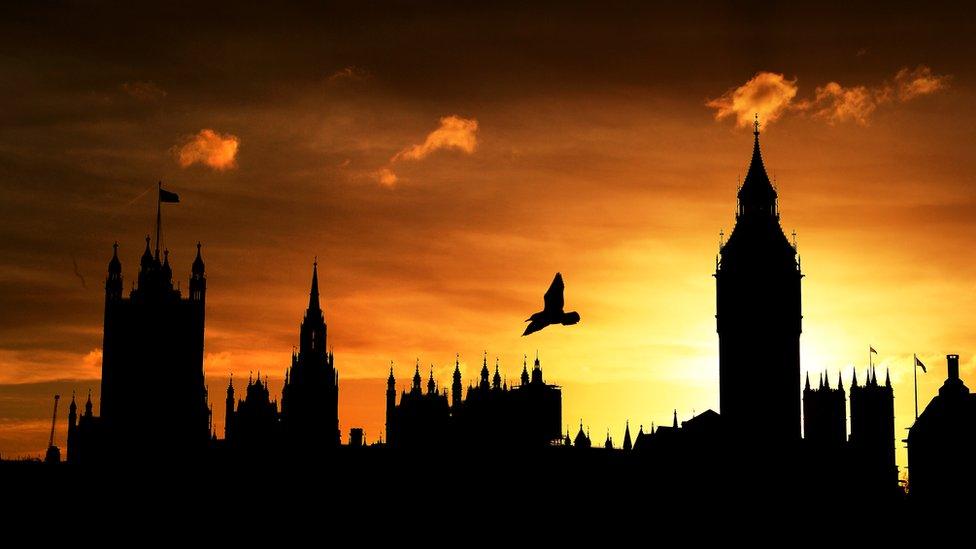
point(552, 312)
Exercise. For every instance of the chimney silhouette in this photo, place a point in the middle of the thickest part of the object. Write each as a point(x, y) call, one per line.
point(953, 361)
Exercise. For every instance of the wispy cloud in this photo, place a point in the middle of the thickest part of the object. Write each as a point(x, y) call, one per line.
point(771, 95)
point(144, 91)
point(350, 74)
point(835, 103)
point(210, 148)
point(766, 93)
point(454, 133)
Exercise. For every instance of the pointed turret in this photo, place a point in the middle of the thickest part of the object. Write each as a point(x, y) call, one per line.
point(416, 378)
point(853, 377)
point(496, 380)
point(537, 370)
point(608, 444)
point(826, 380)
point(807, 386)
point(840, 381)
point(456, 383)
point(627, 443)
point(431, 384)
point(88, 405)
point(313, 295)
point(675, 424)
point(167, 270)
point(757, 195)
point(390, 405)
point(887, 378)
point(198, 268)
point(484, 372)
point(114, 265)
point(198, 282)
point(146, 262)
point(525, 370)
point(113, 282)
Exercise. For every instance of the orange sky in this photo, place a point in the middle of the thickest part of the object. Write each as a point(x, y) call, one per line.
point(441, 188)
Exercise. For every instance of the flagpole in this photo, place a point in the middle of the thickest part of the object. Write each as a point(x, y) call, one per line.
point(159, 214)
point(915, 373)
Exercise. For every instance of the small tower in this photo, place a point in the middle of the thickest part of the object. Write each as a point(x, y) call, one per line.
point(496, 380)
point(72, 430)
point(431, 384)
point(415, 388)
point(229, 410)
point(198, 280)
point(627, 443)
point(390, 404)
point(525, 370)
point(456, 385)
point(113, 282)
point(483, 383)
point(537, 371)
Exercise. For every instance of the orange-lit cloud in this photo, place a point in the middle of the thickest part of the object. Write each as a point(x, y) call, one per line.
point(910, 84)
point(210, 148)
point(772, 95)
point(28, 367)
point(767, 93)
point(144, 91)
point(454, 133)
point(386, 177)
point(835, 103)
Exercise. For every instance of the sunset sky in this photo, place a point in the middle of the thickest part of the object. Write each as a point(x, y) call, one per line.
point(443, 162)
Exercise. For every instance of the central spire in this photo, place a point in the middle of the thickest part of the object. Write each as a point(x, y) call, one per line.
point(313, 296)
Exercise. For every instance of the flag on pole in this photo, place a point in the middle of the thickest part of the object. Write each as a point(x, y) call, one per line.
point(872, 349)
point(919, 364)
point(166, 196)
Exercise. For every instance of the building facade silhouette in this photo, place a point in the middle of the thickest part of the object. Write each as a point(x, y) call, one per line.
point(758, 314)
point(942, 443)
point(154, 333)
point(491, 415)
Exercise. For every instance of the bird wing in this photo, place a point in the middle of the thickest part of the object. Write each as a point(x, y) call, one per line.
point(534, 326)
point(554, 295)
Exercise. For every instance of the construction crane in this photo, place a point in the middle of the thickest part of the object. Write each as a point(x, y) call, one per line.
point(53, 452)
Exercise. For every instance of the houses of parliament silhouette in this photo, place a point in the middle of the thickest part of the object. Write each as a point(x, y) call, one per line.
point(759, 433)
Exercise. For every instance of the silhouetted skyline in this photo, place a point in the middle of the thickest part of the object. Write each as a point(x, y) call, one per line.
point(439, 185)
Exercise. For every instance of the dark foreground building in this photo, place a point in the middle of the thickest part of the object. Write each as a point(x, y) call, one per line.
point(942, 444)
point(153, 334)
